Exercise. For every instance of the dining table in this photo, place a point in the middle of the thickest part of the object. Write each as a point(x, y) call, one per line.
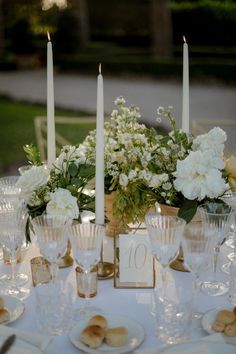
point(134, 303)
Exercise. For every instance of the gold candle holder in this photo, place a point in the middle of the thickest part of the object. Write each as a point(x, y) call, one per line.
point(40, 270)
point(83, 281)
point(6, 255)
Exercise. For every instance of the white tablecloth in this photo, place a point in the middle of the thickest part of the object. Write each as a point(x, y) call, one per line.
point(133, 303)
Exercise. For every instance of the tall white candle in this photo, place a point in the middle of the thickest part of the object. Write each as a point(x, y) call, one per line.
point(99, 183)
point(51, 143)
point(185, 103)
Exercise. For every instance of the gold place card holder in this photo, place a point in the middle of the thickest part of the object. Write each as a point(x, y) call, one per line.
point(134, 263)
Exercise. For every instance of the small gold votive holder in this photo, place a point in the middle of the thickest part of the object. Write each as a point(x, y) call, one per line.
point(40, 270)
point(86, 281)
point(7, 258)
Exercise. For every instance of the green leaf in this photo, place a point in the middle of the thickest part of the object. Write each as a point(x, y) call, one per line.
point(32, 154)
point(73, 169)
point(86, 171)
point(188, 210)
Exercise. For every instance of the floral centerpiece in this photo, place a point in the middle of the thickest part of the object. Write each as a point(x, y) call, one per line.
point(128, 150)
point(194, 168)
point(59, 190)
point(144, 167)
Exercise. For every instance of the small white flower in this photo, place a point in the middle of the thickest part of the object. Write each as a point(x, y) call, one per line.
point(119, 101)
point(123, 180)
point(132, 175)
point(159, 120)
point(167, 186)
point(63, 203)
point(160, 110)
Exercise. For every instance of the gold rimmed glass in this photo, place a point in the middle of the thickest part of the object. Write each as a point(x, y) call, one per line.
point(165, 233)
point(216, 217)
point(86, 240)
point(52, 237)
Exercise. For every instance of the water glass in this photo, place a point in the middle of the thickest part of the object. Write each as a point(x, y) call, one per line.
point(54, 308)
point(173, 317)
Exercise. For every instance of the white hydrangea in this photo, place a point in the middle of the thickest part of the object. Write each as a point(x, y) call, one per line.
point(63, 203)
point(197, 176)
point(32, 179)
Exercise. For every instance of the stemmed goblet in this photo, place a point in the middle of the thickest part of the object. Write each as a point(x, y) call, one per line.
point(216, 217)
point(13, 218)
point(10, 191)
point(51, 232)
point(198, 246)
point(165, 234)
point(86, 240)
point(230, 199)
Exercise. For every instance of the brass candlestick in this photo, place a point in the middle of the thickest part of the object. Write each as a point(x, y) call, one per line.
point(105, 269)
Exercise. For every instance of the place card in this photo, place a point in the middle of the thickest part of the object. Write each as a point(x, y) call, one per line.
point(134, 262)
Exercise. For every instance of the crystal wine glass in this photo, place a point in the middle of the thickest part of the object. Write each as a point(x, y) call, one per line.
point(10, 190)
point(86, 240)
point(13, 218)
point(217, 217)
point(198, 246)
point(51, 232)
point(230, 199)
point(165, 234)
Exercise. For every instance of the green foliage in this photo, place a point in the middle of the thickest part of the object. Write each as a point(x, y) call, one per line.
point(188, 209)
point(32, 154)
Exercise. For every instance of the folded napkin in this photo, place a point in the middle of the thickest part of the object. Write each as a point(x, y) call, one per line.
point(38, 341)
point(202, 348)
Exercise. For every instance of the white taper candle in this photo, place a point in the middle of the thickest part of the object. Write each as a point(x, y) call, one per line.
point(51, 143)
point(185, 103)
point(99, 186)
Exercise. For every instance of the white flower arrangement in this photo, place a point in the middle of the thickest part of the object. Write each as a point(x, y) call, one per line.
point(61, 190)
point(194, 167)
point(128, 150)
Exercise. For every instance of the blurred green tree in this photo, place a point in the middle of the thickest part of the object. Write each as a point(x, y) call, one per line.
point(161, 28)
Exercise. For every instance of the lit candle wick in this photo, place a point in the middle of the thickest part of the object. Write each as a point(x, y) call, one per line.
point(100, 68)
point(49, 38)
point(184, 39)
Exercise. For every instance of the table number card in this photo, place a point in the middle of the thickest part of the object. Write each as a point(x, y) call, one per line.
point(134, 261)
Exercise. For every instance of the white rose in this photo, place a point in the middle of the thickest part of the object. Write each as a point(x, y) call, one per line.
point(63, 203)
point(31, 180)
point(123, 180)
point(197, 177)
point(213, 141)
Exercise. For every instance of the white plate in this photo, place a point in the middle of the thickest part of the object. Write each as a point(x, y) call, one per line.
point(22, 347)
point(15, 307)
point(196, 347)
point(209, 318)
point(135, 335)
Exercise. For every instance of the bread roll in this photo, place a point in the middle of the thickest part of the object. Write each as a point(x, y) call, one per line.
point(218, 326)
point(1, 303)
point(98, 320)
point(225, 316)
point(230, 330)
point(92, 336)
point(116, 337)
point(4, 315)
